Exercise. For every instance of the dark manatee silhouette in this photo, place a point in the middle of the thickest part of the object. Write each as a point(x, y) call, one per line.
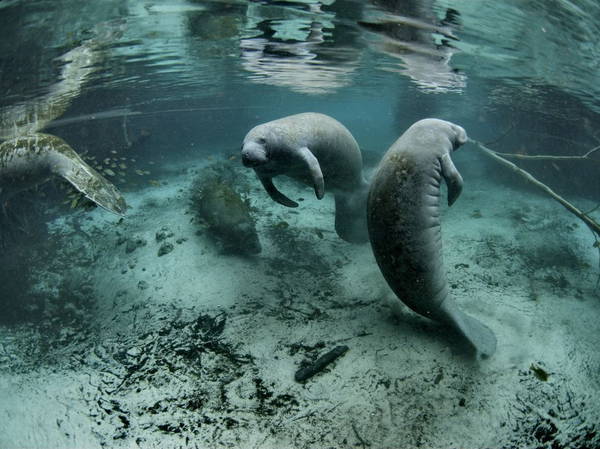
point(404, 222)
point(226, 215)
point(319, 151)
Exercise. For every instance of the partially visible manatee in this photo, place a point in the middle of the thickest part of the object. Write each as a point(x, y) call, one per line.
point(31, 160)
point(226, 215)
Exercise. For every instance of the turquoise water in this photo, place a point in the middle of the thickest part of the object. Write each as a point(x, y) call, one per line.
point(211, 66)
point(157, 90)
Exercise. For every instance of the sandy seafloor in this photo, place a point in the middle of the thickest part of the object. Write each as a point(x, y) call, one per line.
point(198, 349)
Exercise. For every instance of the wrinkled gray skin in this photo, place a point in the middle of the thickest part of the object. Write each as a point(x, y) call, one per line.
point(319, 151)
point(32, 160)
point(403, 215)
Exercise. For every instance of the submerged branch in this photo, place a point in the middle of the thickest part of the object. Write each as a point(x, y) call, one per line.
point(498, 157)
point(545, 156)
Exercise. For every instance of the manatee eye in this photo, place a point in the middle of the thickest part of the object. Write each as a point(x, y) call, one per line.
point(261, 141)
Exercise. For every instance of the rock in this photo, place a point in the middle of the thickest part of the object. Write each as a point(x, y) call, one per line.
point(134, 243)
point(163, 233)
point(165, 248)
point(134, 352)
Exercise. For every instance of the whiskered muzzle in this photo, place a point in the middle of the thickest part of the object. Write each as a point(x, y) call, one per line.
point(249, 161)
point(254, 154)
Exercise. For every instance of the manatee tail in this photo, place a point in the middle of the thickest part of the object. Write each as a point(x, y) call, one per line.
point(67, 163)
point(351, 215)
point(481, 337)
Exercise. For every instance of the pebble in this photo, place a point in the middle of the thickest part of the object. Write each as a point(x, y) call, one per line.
point(163, 233)
point(165, 248)
point(133, 244)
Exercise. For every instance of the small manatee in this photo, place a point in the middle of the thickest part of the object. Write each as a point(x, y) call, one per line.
point(226, 215)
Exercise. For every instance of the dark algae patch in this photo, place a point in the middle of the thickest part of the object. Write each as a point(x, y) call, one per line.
point(185, 378)
point(540, 373)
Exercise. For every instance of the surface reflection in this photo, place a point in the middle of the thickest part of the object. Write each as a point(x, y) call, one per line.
point(411, 32)
point(292, 47)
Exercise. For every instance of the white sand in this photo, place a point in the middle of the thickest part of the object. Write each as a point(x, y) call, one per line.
point(144, 375)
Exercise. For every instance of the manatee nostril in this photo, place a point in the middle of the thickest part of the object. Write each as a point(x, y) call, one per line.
point(247, 160)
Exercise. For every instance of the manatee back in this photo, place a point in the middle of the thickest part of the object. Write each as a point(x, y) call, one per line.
point(332, 144)
point(403, 220)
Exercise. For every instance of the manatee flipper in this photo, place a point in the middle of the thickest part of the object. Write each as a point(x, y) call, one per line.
point(453, 179)
point(96, 188)
point(67, 163)
point(275, 194)
point(315, 170)
point(481, 337)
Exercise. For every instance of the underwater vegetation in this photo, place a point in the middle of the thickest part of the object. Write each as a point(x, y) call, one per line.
point(225, 214)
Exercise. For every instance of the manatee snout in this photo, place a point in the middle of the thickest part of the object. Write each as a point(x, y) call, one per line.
point(254, 154)
point(456, 134)
point(460, 136)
